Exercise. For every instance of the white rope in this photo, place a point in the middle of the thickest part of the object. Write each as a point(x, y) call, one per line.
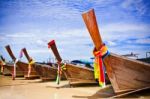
point(15, 65)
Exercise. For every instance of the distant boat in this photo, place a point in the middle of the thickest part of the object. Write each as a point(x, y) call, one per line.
point(83, 63)
point(135, 56)
point(147, 60)
point(5, 67)
point(46, 72)
point(21, 66)
point(126, 75)
point(131, 55)
point(8, 69)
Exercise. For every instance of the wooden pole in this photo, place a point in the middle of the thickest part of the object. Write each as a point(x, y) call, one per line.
point(91, 24)
point(26, 54)
point(53, 46)
point(2, 58)
point(10, 52)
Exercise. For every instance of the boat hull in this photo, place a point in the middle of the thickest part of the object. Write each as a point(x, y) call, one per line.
point(8, 69)
point(46, 72)
point(24, 67)
point(127, 74)
point(79, 75)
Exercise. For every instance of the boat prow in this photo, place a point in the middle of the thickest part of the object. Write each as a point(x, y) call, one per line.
point(74, 74)
point(126, 75)
point(46, 72)
point(22, 66)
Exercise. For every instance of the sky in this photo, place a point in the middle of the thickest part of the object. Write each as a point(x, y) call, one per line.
point(124, 26)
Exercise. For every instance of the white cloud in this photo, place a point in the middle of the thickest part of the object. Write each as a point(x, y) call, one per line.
point(143, 41)
point(51, 9)
point(38, 51)
point(41, 42)
point(20, 35)
point(133, 5)
point(125, 27)
point(124, 31)
point(111, 43)
point(54, 18)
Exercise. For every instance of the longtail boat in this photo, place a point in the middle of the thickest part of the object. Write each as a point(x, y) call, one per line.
point(4, 66)
point(74, 74)
point(21, 66)
point(8, 68)
point(46, 72)
point(126, 75)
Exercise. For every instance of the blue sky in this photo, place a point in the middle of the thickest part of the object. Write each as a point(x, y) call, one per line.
point(124, 26)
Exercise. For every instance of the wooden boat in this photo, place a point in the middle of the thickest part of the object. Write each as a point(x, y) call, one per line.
point(74, 74)
point(126, 75)
point(22, 66)
point(147, 60)
point(46, 72)
point(2, 60)
point(8, 70)
point(9, 67)
point(3, 70)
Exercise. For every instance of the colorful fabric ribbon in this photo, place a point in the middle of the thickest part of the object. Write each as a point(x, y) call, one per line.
point(99, 72)
point(21, 54)
point(59, 72)
point(14, 69)
point(29, 67)
point(2, 65)
point(63, 67)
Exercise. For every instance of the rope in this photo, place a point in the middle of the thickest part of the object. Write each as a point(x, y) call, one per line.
point(98, 64)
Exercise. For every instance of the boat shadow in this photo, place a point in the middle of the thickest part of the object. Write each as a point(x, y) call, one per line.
point(102, 93)
point(67, 85)
point(109, 93)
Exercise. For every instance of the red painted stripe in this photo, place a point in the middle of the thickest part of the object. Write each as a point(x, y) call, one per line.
point(51, 43)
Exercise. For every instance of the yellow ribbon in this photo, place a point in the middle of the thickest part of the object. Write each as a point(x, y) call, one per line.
point(29, 67)
point(63, 67)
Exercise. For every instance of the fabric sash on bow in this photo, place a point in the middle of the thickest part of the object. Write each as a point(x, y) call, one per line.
point(2, 65)
point(59, 72)
point(29, 67)
point(14, 69)
point(99, 71)
point(21, 54)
